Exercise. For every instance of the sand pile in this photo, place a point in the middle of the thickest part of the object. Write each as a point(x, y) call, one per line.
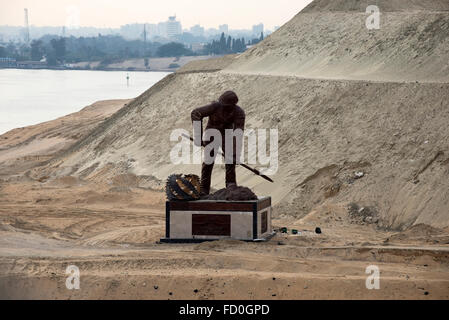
point(393, 130)
point(329, 39)
point(385, 5)
point(328, 131)
point(233, 193)
point(43, 140)
point(420, 233)
point(357, 159)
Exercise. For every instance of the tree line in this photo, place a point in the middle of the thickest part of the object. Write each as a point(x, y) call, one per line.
point(227, 45)
point(108, 49)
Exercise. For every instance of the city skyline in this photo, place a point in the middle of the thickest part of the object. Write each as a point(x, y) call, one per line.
point(208, 14)
point(168, 30)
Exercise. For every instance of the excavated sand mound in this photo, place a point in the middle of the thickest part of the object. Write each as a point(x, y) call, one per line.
point(329, 39)
point(382, 145)
point(385, 5)
point(357, 158)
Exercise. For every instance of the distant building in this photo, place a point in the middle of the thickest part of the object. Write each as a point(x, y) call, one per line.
point(197, 31)
point(31, 64)
point(258, 29)
point(135, 31)
point(7, 62)
point(26, 27)
point(162, 29)
point(197, 47)
point(173, 27)
point(224, 28)
point(212, 32)
point(152, 30)
point(131, 31)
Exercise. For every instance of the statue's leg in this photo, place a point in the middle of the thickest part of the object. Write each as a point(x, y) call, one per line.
point(206, 176)
point(230, 175)
point(230, 167)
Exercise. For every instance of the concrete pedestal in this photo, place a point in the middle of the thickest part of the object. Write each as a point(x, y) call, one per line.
point(198, 221)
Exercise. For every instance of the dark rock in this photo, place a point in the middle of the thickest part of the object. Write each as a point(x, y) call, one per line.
point(318, 231)
point(232, 193)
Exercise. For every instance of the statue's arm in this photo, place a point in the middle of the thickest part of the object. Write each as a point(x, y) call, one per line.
point(197, 116)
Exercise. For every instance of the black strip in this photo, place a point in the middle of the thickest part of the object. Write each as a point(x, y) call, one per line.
point(276, 309)
point(211, 206)
point(254, 221)
point(167, 220)
point(166, 240)
point(187, 240)
point(201, 205)
point(211, 225)
point(263, 204)
point(264, 222)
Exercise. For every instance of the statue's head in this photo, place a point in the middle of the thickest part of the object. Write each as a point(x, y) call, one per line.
point(228, 98)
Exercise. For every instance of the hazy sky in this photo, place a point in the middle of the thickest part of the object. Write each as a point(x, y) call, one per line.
point(239, 14)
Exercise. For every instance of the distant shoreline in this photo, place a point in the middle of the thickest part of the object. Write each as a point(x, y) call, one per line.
point(166, 64)
point(82, 69)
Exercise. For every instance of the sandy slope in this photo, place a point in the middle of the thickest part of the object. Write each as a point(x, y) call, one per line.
point(385, 5)
point(109, 226)
point(109, 232)
point(328, 41)
point(45, 139)
point(95, 200)
point(395, 133)
point(394, 129)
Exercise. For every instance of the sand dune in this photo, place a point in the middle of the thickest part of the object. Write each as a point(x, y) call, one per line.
point(394, 129)
point(329, 40)
point(49, 137)
point(385, 5)
point(394, 132)
point(363, 150)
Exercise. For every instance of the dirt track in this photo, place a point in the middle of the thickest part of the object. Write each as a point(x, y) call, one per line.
point(111, 235)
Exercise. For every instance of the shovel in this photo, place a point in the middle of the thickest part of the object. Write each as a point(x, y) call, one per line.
point(255, 171)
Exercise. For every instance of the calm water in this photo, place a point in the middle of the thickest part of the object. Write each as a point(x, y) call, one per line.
point(29, 97)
